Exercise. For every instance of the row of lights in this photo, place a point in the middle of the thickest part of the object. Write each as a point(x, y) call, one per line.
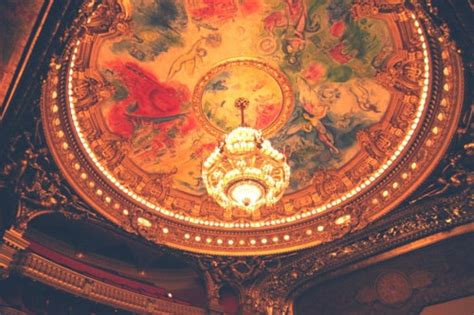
point(230, 242)
point(83, 175)
point(440, 117)
point(257, 224)
point(219, 241)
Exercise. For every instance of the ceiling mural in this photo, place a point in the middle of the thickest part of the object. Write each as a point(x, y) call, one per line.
point(346, 90)
point(178, 70)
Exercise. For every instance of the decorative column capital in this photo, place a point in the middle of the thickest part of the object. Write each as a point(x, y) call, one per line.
point(12, 243)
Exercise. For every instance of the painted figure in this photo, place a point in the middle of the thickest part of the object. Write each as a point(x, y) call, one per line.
point(194, 56)
point(294, 20)
point(316, 110)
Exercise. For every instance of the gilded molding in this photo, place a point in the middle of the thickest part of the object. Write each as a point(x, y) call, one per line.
point(50, 273)
point(278, 289)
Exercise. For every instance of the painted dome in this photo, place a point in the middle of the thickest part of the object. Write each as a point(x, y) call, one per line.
point(348, 91)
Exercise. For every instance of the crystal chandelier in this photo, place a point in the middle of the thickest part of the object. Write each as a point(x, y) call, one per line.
point(245, 171)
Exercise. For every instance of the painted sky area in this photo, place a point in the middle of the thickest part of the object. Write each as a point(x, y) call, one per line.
point(329, 60)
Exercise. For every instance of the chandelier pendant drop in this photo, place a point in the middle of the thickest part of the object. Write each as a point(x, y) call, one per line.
point(245, 171)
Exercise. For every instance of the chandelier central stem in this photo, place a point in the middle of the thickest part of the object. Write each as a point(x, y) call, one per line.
point(242, 103)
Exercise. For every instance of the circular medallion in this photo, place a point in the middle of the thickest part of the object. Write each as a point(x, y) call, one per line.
point(362, 102)
point(267, 89)
point(393, 288)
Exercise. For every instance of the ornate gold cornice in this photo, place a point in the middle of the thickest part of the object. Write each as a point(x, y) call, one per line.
point(13, 242)
point(41, 269)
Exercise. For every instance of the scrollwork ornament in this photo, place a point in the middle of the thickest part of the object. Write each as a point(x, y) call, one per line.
point(438, 214)
point(237, 270)
point(31, 175)
point(103, 17)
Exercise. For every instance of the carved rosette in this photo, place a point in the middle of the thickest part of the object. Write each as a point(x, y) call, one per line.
point(425, 76)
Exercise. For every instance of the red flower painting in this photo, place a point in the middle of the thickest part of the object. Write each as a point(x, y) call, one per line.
point(250, 6)
point(338, 54)
point(266, 114)
point(314, 72)
point(337, 29)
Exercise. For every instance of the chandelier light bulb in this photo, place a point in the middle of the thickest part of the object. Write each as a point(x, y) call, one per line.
point(246, 193)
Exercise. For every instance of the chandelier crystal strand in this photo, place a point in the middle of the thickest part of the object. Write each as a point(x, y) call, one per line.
point(245, 171)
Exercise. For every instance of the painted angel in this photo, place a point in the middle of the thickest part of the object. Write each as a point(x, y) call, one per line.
point(315, 111)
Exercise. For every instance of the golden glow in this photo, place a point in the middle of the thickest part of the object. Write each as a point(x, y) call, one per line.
point(246, 193)
point(245, 171)
point(143, 222)
point(319, 209)
point(343, 219)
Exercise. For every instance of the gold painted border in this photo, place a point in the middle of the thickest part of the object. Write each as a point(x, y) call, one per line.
point(283, 82)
